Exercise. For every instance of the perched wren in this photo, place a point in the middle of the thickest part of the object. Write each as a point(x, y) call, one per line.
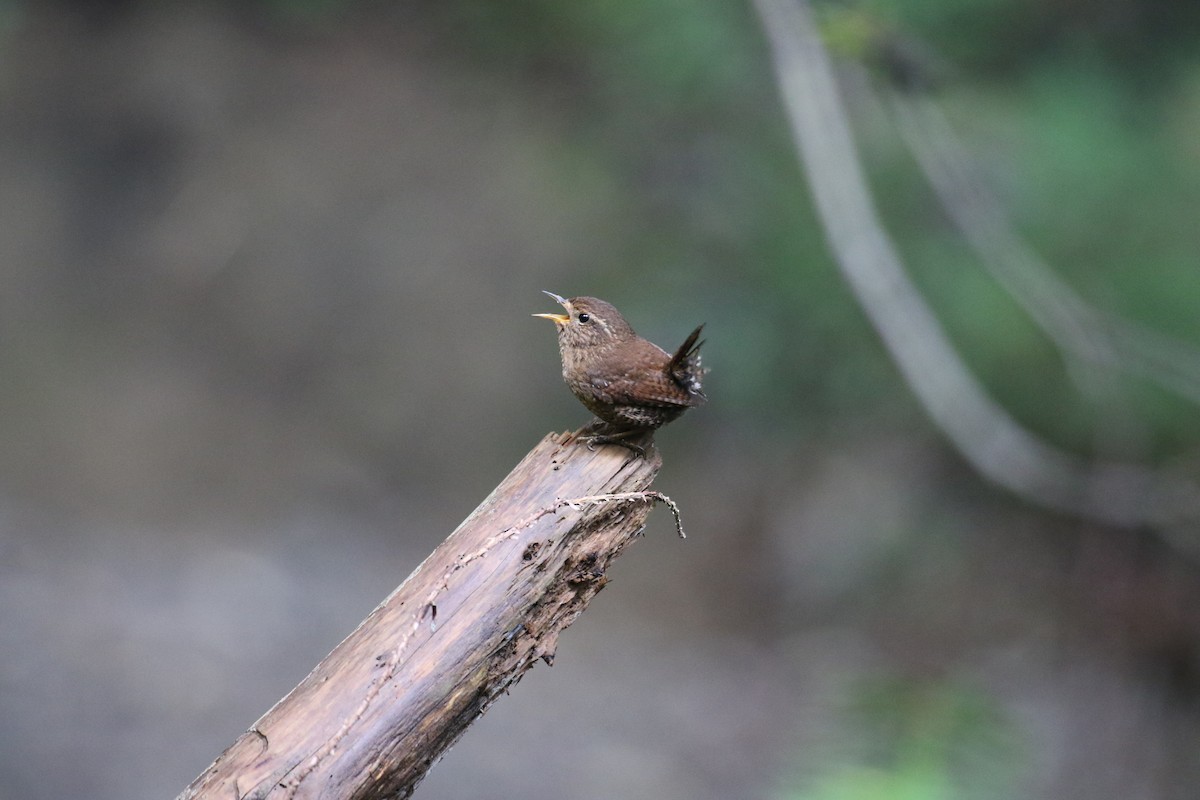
point(632, 385)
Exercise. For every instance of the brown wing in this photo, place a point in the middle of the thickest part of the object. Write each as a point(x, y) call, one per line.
point(645, 382)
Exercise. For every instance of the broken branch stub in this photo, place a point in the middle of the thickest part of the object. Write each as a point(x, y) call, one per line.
point(374, 715)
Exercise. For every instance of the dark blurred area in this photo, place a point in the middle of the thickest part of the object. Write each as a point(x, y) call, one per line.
point(266, 272)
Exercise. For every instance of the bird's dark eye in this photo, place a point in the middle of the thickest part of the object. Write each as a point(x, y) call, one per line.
point(584, 316)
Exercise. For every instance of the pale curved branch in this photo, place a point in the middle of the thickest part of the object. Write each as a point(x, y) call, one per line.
point(986, 435)
point(1078, 329)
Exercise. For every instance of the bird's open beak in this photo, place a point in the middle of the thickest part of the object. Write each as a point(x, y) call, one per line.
point(558, 319)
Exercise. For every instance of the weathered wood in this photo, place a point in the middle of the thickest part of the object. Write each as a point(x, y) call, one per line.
point(374, 715)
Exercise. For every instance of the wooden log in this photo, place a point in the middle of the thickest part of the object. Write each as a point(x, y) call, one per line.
point(375, 714)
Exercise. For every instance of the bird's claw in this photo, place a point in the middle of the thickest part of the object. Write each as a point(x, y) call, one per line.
point(599, 438)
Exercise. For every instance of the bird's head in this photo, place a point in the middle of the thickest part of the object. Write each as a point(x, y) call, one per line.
point(588, 322)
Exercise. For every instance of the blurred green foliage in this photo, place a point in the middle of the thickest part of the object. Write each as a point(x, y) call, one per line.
point(1069, 107)
point(1074, 109)
point(917, 740)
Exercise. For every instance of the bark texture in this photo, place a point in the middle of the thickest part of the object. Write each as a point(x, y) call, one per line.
point(374, 715)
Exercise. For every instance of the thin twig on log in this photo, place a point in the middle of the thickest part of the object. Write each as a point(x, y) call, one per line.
point(374, 715)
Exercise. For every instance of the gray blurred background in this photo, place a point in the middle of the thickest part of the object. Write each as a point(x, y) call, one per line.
point(266, 272)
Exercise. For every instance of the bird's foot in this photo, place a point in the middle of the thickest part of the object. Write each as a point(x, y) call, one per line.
point(599, 438)
point(601, 433)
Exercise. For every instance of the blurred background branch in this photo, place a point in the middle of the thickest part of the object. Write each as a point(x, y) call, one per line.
point(987, 436)
point(1084, 334)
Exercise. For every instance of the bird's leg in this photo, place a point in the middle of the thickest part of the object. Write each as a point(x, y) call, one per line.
point(603, 433)
point(617, 439)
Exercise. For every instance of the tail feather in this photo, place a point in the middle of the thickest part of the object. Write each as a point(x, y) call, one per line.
point(684, 367)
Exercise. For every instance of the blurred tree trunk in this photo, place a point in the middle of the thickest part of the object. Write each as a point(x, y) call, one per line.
point(374, 715)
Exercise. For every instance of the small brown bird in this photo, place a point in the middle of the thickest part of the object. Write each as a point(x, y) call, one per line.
point(632, 385)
